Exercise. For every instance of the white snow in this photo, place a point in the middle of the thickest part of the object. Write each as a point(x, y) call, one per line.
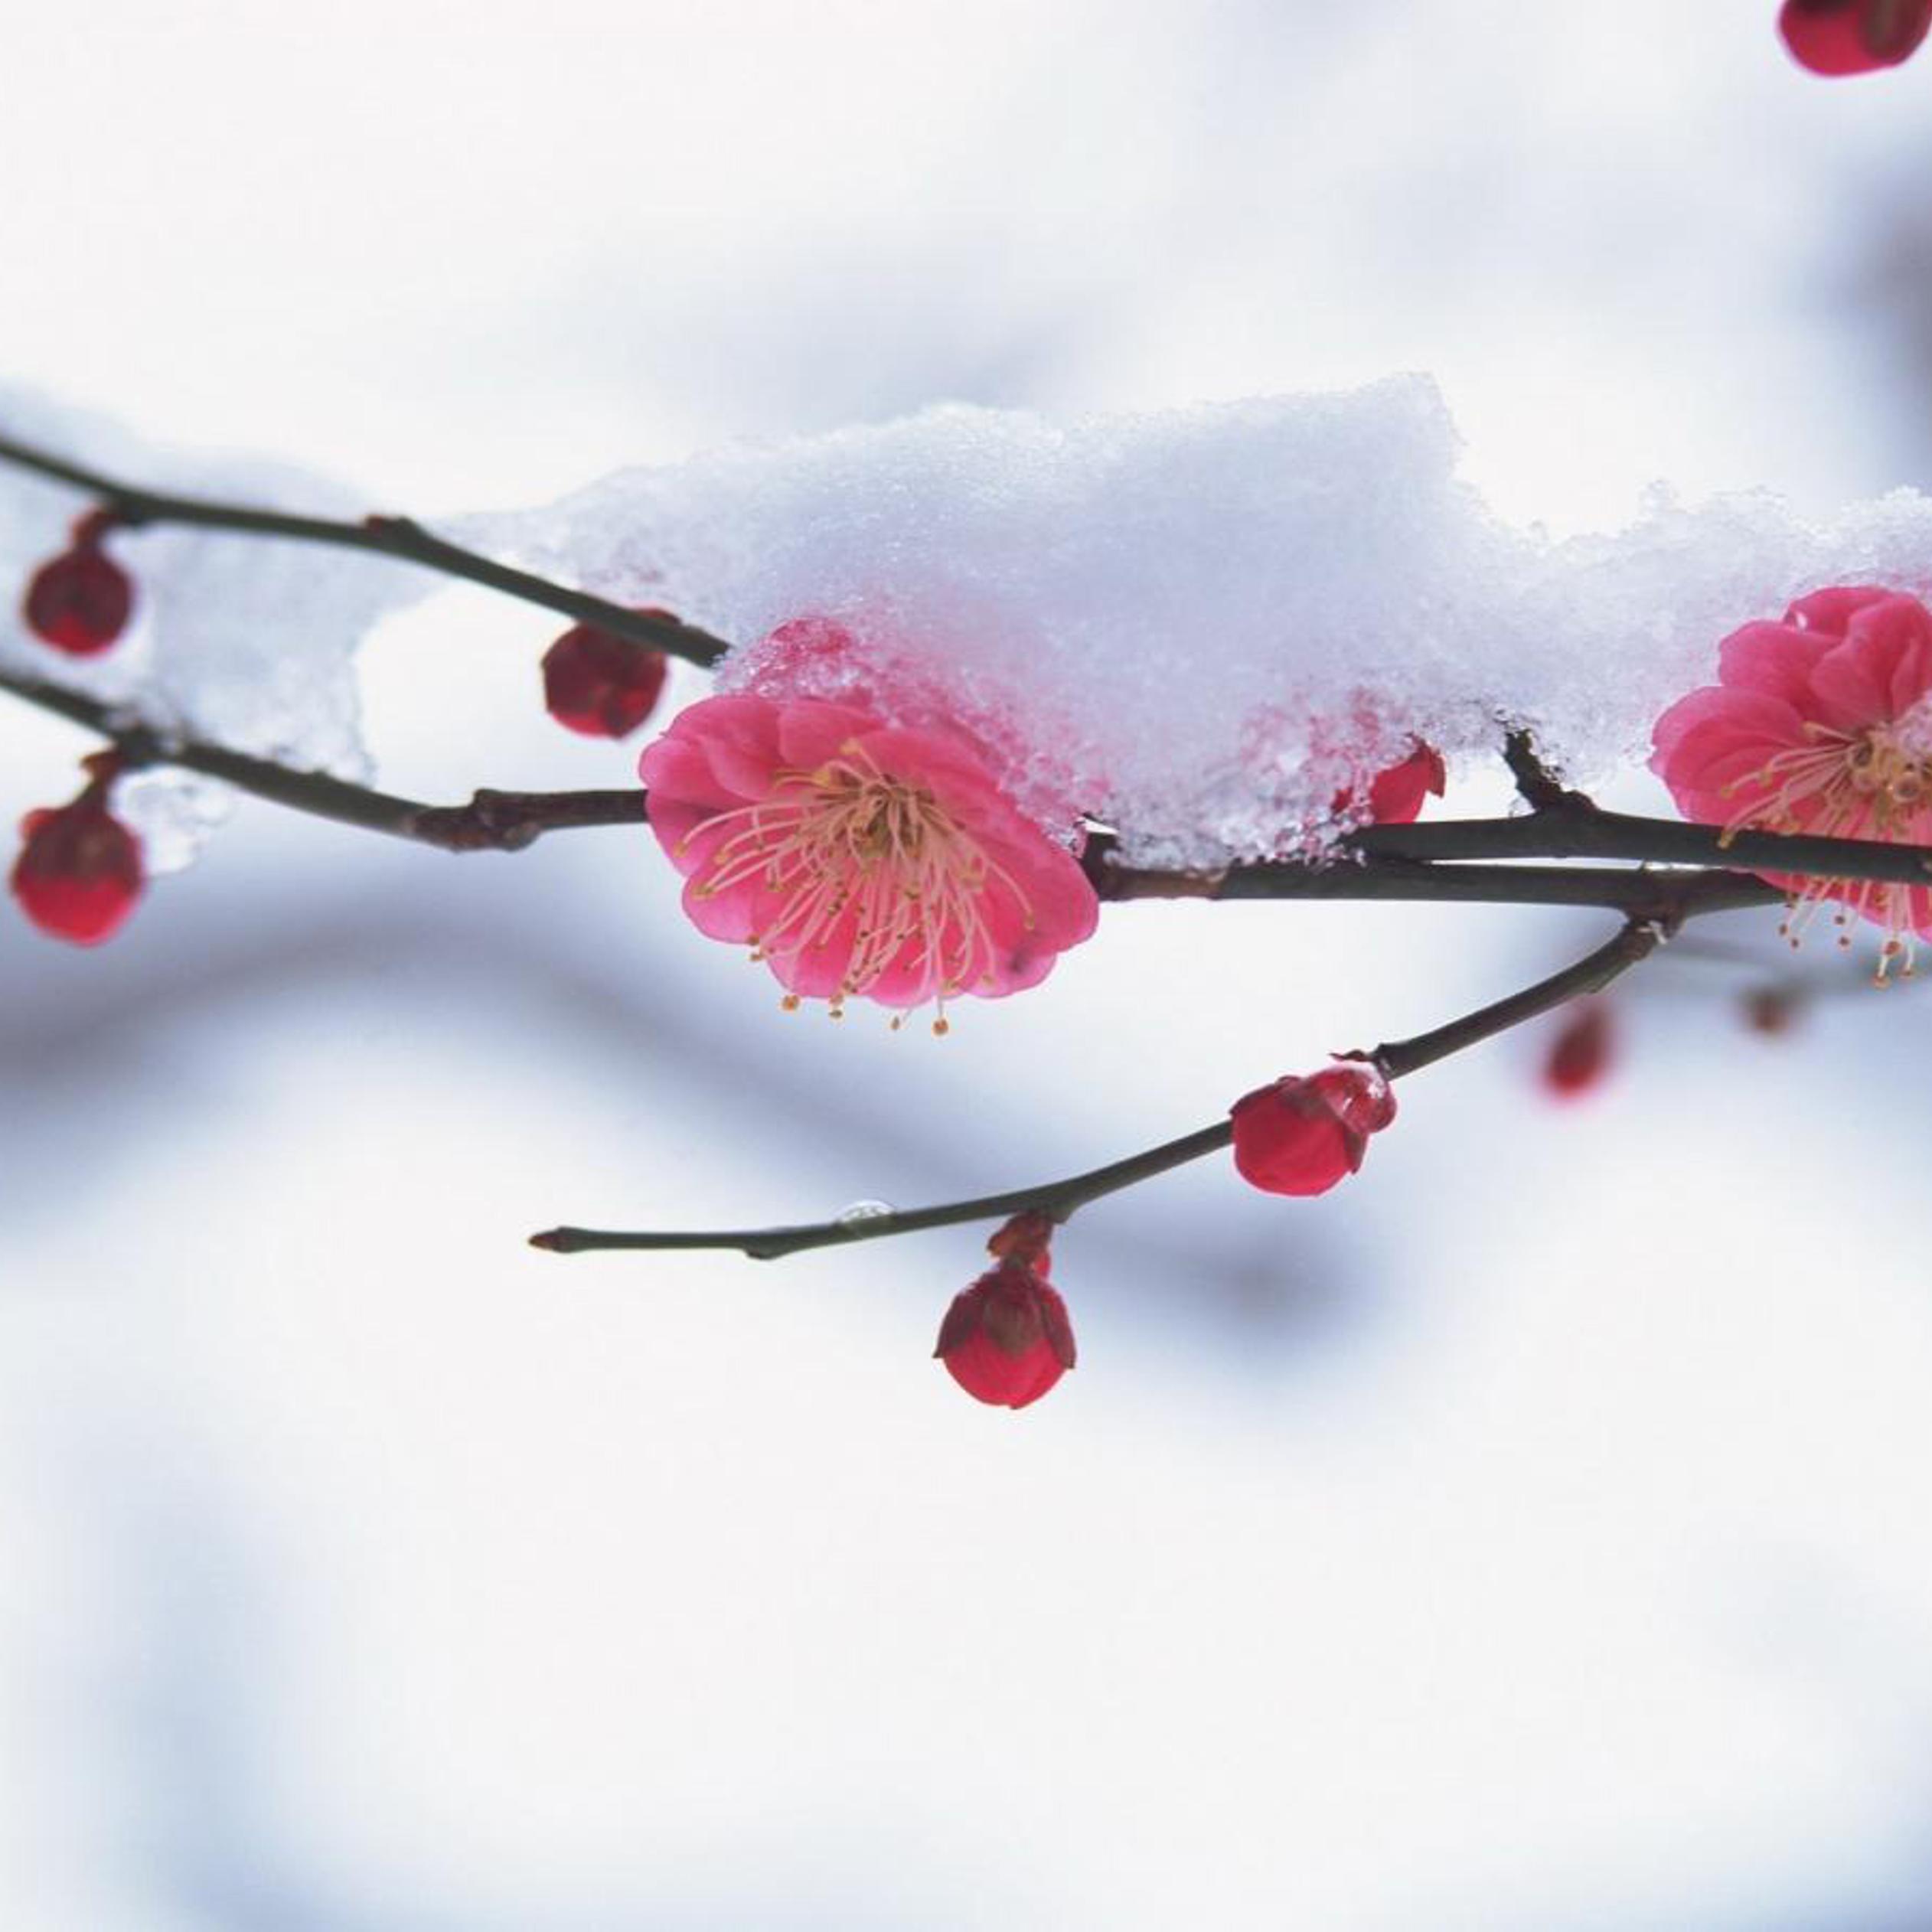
point(246, 641)
point(1198, 624)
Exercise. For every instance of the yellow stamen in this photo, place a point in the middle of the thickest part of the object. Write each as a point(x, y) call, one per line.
point(1871, 784)
point(869, 866)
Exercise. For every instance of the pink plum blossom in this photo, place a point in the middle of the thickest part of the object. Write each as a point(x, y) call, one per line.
point(860, 858)
point(1821, 724)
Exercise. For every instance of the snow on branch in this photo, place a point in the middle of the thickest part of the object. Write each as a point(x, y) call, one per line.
point(995, 675)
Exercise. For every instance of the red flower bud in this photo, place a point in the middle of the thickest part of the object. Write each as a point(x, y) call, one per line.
point(1841, 37)
point(600, 684)
point(78, 873)
point(1395, 796)
point(1580, 1055)
point(1301, 1136)
point(79, 601)
point(1006, 1339)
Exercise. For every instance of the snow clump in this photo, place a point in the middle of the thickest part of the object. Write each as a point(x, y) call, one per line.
point(1198, 626)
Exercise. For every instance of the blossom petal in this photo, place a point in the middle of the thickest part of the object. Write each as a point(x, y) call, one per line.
point(1776, 659)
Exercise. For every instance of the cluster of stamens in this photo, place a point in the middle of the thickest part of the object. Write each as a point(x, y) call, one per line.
point(1869, 784)
point(873, 865)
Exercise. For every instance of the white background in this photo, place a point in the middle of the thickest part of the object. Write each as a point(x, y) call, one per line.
point(1531, 1534)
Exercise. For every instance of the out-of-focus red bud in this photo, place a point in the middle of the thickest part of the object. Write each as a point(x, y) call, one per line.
point(79, 874)
point(79, 601)
point(1582, 1051)
point(1843, 37)
point(600, 684)
point(1772, 1010)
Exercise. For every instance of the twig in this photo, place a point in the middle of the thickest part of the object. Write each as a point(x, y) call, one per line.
point(507, 821)
point(1592, 973)
point(1058, 1198)
point(1667, 895)
point(1538, 786)
point(396, 537)
point(1577, 830)
point(498, 821)
point(1061, 1199)
point(1571, 831)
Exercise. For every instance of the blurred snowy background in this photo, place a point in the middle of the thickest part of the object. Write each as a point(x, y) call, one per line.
point(1532, 1535)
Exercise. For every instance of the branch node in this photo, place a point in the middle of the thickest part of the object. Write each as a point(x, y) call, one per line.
point(1540, 788)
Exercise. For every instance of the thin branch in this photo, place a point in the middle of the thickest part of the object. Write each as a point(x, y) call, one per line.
point(507, 821)
point(1668, 895)
point(1592, 973)
point(1058, 1198)
point(396, 537)
point(1571, 831)
point(499, 821)
point(1061, 1199)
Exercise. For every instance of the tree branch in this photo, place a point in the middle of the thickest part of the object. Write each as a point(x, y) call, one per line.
point(1572, 830)
point(1061, 1199)
point(1562, 824)
point(1404, 863)
point(1668, 895)
point(507, 821)
point(1592, 973)
point(395, 536)
point(495, 821)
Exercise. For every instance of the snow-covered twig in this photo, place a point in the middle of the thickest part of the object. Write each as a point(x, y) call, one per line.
point(1540, 788)
point(396, 537)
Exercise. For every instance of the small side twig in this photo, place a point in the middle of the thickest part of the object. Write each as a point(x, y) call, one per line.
point(1592, 973)
point(1539, 788)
